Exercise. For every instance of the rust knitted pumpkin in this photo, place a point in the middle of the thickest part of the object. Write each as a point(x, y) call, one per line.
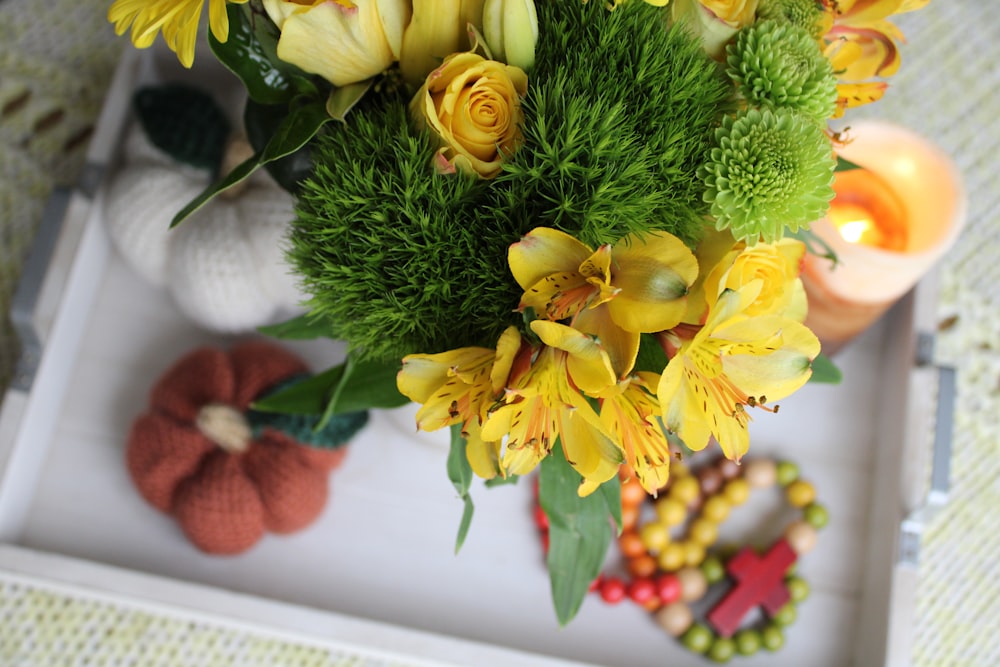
point(195, 456)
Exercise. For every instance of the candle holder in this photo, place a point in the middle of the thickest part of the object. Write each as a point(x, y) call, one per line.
point(889, 222)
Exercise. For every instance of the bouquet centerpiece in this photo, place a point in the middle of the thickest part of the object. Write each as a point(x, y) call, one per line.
point(571, 230)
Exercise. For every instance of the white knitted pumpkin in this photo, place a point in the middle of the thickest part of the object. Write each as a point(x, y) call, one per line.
point(224, 266)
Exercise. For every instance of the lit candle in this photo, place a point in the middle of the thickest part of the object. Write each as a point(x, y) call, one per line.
point(889, 222)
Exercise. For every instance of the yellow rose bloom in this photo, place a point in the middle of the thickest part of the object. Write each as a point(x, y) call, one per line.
point(775, 265)
point(473, 106)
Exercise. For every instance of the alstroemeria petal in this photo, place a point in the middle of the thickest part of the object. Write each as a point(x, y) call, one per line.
point(622, 346)
point(483, 456)
point(777, 374)
point(654, 276)
point(544, 251)
point(588, 363)
point(589, 451)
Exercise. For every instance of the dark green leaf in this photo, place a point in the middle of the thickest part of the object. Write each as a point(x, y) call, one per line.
point(816, 245)
point(825, 371)
point(244, 54)
point(611, 491)
point(343, 99)
point(298, 127)
point(845, 165)
point(579, 533)
point(651, 356)
point(303, 327)
point(238, 174)
point(261, 121)
point(501, 481)
point(308, 397)
point(460, 474)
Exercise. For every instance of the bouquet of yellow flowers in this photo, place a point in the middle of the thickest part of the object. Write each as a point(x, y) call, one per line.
point(571, 230)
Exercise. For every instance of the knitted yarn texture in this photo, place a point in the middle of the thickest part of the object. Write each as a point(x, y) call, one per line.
point(226, 492)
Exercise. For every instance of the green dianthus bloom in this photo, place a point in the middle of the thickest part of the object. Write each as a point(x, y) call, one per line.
point(806, 14)
point(780, 65)
point(770, 171)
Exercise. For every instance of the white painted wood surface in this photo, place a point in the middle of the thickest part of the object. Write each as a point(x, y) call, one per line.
point(383, 549)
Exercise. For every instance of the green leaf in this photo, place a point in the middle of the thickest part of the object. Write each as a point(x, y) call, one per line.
point(611, 491)
point(364, 385)
point(651, 356)
point(245, 55)
point(241, 172)
point(579, 533)
point(845, 165)
point(304, 327)
point(816, 245)
point(308, 397)
point(343, 99)
point(460, 474)
point(501, 481)
point(299, 126)
point(825, 371)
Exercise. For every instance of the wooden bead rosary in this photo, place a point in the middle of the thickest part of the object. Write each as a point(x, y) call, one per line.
point(668, 574)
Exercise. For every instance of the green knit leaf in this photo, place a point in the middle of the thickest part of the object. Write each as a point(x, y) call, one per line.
point(364, 385)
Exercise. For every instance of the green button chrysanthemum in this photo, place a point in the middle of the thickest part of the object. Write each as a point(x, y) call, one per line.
point(771, 170)
point(806, 14)
point(780, 65)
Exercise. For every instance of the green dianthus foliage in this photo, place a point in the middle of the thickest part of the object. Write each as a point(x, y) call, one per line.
point(619, 115)
point(780, 65)
point(771, 171)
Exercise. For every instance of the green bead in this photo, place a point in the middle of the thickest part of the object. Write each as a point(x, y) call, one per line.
point(698, 638)
point(713, 569)
point(787, 472)
point(722, 649)
point(772, 637)
point(747, 642)
point(815, 515)
point(785, 616)
point(798, 588)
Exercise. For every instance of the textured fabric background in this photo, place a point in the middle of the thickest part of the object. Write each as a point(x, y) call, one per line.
point(56, 59)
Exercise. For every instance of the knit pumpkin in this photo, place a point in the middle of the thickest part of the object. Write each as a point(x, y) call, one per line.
point(225, 267)
point(195, 455)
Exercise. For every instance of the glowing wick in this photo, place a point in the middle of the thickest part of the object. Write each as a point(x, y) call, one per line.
point(865, 211)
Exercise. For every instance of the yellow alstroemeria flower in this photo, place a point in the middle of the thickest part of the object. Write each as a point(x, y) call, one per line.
point(861, 44)
point(459, 387)
point(543, 404)
point(614, 293)
point(733, 363)
point(629, 412)
point(177, 19)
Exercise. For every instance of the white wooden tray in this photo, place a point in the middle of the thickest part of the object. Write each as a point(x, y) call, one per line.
point(376, 574)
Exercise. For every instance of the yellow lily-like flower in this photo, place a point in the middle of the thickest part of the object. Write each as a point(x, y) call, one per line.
point(343, 41)
point(544, 403)
point(861, 44)
point(177, 19)
point(629, 412)
point(615, 293)
point(733, 363)
point(459, 387)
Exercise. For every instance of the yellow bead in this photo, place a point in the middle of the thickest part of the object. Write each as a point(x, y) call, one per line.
point(694, 553)
point(671, 511)
point(737, 491)
point(654, 536)
point(703, 531)
point(800, 493)
point(672, 557)
point(685, 489)
point(679, 469)
point(716, 509)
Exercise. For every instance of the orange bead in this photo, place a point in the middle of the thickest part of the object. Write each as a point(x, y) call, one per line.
point(642, 566)
point(630, 516)
point(632, 493)
point(631, 544)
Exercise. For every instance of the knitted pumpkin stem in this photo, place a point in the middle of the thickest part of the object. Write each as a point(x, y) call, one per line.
point(225, 426)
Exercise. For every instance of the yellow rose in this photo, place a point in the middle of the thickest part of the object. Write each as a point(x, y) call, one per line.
point(775, 265)
point(473, 106)
point(715, 21)
point(344, 42)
